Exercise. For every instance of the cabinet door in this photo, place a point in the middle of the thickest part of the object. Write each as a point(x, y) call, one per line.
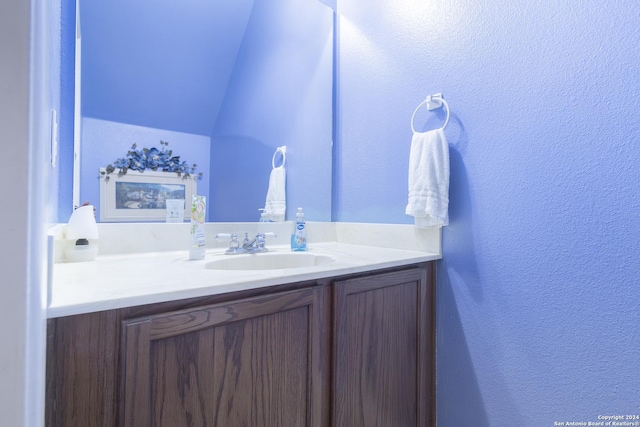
point(383, 349)
point(256, 362)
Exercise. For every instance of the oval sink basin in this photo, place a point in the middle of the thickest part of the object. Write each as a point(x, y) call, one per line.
point(269, 261)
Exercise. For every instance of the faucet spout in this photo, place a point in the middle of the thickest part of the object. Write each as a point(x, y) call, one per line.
point(249, 246)
point(257, 244)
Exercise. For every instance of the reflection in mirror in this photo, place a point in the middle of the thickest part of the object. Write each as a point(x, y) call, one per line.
point(225, 82)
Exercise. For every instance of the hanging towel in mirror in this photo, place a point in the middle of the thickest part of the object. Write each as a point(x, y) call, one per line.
point(276, 203)
point(429, 179)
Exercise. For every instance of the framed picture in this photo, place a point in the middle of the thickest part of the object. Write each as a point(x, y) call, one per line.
point(139, 196)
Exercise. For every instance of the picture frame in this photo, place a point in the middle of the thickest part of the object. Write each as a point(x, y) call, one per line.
point(139, 196)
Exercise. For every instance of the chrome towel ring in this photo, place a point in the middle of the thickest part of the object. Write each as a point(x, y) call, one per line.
point(283, 151)
point(432, 102)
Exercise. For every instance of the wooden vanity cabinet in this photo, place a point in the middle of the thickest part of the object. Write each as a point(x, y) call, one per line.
point(384, 350)
point(346, 352)
point(260, 361)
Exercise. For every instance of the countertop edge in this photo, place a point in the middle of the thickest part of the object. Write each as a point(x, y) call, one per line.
point(398, 258)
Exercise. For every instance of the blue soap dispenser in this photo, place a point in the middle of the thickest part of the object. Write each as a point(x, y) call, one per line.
point(299, 234)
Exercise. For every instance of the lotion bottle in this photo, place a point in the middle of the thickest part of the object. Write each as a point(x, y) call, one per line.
point(197, 239)
point(299, 233)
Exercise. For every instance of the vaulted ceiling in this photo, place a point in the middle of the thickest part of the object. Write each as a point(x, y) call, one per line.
point(160, 63)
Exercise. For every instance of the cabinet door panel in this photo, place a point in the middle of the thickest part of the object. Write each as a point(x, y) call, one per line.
point(381, 341)
point(255, 362)
point(180, 383)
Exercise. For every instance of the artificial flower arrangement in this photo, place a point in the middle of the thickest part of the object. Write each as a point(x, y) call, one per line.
point(151, 158)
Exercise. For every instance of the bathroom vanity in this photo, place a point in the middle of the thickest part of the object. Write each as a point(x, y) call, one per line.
point(349, 344)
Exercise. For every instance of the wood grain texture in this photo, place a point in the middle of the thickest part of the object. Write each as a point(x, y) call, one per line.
point(427, 410)
point(381, 341)
point(83, 358)
point(84, 348)
point(254, 362)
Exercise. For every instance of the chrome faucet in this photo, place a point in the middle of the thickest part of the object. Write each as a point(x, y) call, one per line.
point(249, 246)
point(234, 245)
point(257, 243)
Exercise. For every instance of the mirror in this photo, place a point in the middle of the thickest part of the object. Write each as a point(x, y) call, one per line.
point(225, 82)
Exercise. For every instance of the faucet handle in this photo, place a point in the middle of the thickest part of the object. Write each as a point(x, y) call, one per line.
point(233, 239)
point(260, 240)
point(233, 236)
point(234, 244)
point(262, 236)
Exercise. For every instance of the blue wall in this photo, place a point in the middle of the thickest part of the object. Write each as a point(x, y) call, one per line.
point(280, 93)
point(64, 191)
point(60, 57)
point(539, 288)
point(158, 63)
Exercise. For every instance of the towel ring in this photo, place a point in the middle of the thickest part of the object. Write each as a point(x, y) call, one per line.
point(283, 151)
point(432, 102)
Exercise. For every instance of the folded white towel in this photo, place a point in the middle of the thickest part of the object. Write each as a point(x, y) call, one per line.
point(276, 203)
point(429, 179)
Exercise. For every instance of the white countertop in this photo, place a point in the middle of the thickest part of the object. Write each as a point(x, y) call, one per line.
point(125, 280)
point(117, 281)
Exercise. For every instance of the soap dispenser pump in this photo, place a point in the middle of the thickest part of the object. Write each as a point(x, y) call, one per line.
point(264, 217)
point(299, 234)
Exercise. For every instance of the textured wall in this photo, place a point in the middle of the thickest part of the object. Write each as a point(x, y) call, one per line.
point(14, 277)
point(26, 96)
point(539, 288)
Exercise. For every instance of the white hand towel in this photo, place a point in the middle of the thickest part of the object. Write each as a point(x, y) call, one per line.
point(429, 179)
point(276, 203)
